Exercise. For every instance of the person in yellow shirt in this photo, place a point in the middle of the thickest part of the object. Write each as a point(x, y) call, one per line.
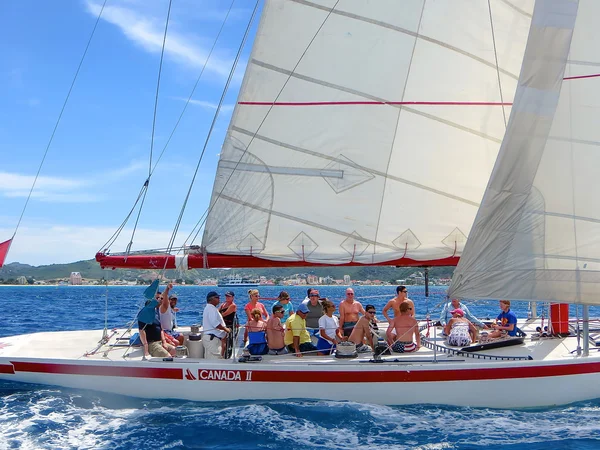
point(296, 338)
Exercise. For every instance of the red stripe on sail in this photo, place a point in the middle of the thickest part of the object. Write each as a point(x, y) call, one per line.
point(579, 77)
point(4, 246)
point(374, 103)
point(397, 103)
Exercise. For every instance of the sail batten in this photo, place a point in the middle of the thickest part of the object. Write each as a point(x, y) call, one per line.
point(401, 100)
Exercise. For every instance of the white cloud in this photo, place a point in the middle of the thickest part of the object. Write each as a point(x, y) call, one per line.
point(51, 189)
point(147, 32)
point(58, 244)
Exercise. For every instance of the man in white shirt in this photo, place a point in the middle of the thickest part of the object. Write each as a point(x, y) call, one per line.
point(213, 327)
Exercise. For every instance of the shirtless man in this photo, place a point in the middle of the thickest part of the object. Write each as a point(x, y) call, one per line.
point(362, 331)
point(406, 328)
point(394, 304)
point(349, 311)
point(276, 332)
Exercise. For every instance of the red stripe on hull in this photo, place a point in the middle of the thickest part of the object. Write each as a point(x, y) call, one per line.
point(213, 261)
point(420, 376)
point(104, 371)
point(7, 368)
point(408, 375)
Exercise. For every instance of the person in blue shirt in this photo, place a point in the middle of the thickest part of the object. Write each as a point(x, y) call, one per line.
point(284, 301)
point(506, 322)
point(454, 304)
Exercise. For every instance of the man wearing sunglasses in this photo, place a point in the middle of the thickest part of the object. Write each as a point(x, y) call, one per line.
point(361, 334)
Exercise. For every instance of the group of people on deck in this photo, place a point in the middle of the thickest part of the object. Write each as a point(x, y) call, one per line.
point(290, 330)
point(460, 326)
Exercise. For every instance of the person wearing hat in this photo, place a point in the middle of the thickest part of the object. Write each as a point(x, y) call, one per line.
point(173, 303)
point(167, 321)
point(296, 336)
point(460, 330)
point(213, 327)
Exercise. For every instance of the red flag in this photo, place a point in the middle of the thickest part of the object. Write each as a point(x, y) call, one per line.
point(4, 246)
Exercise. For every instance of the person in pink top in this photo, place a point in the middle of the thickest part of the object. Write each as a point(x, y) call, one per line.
point(255, 304)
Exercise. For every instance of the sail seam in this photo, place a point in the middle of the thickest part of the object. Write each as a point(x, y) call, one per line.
point(516, 8)
point(372, 97)
point(407, 32)
point(393, 142)
point(496, 59)
point(306, 222)
point(353, 164)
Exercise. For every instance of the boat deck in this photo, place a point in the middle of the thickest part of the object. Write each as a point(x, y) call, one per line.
point(77, 345)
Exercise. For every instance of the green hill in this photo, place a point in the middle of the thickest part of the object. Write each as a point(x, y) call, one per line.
point(91, 270)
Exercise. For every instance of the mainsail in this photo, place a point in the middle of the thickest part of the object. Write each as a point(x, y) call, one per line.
point(537, 234)
point(365, 131)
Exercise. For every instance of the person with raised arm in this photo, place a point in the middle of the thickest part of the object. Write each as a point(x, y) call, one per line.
point(167, 319)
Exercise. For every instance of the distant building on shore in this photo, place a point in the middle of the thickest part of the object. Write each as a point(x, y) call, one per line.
point(75, 278)
point(21, 280)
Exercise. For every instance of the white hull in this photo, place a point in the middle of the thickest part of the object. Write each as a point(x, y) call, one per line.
point(554, 376)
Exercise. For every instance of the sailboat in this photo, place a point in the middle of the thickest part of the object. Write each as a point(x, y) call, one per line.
point(365, 133)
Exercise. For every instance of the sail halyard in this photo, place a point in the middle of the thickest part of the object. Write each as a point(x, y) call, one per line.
point(365, 134)
point(537, 234)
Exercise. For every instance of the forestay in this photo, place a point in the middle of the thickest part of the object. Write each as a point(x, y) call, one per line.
point(366, 131)
point(537, 234)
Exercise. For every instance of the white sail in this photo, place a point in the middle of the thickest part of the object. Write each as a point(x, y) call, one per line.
point(537, 235)
point(367, 132)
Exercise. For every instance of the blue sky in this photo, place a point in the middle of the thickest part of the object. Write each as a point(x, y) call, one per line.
point(100, 155)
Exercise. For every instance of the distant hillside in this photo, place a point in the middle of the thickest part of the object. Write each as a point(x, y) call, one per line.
point(91, 270)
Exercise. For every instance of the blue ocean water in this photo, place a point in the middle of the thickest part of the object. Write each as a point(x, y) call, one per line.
point(34, 417)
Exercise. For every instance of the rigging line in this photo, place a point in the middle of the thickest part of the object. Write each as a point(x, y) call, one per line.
point(62, 110)
point(272, 106)
point(118, 232)
point(195, 86)
point(162, 53)
point(412, 55)
point(194, 231)
point(212, 125)
point(496, 59)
